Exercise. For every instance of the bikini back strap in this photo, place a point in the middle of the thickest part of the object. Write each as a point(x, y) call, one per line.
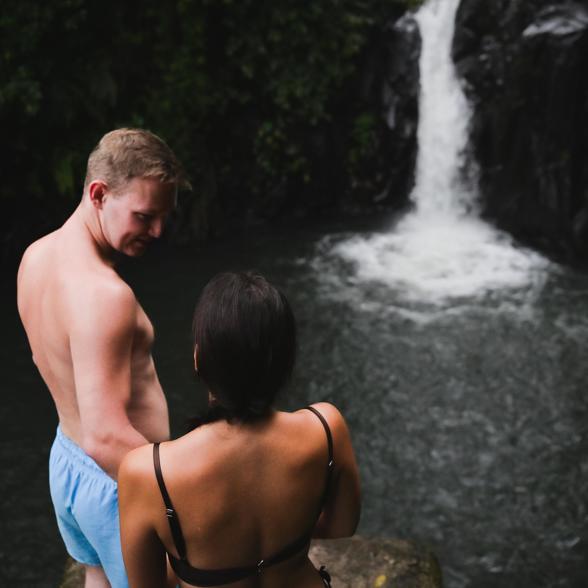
point(170, 513)
point(331, 462)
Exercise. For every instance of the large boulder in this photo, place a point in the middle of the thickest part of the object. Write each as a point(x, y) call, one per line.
point(525, 68)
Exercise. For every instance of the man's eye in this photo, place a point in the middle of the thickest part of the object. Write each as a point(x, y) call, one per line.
point(143, 217)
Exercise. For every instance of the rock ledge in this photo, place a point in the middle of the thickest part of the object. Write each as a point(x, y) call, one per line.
point(356, 562)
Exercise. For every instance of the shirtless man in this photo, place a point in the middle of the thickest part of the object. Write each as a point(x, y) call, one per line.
point(91, 340)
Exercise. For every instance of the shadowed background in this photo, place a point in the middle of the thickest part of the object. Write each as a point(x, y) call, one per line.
point(298, 125)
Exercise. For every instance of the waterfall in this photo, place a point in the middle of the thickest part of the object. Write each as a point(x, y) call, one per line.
point(441, 250)
point(440, 188)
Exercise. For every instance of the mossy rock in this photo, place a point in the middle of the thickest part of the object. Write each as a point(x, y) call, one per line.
point(353, 563)
point(73, 575)
point(358, 562)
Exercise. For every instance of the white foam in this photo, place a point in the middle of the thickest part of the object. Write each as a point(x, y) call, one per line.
point(440, 260)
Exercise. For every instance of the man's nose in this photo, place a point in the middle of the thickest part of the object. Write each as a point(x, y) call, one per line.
point(156, 228)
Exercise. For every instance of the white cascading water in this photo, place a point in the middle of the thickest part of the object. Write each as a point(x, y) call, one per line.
point(441, 250)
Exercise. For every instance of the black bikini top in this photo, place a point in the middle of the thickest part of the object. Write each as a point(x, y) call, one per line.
point(217, 577)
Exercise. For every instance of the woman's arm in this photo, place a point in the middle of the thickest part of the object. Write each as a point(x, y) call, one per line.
point(340, 515)
point(139, 503)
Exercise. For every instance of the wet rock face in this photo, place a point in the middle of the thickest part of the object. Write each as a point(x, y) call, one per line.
point(400, 94)
point(525, 68)
point(390, 86)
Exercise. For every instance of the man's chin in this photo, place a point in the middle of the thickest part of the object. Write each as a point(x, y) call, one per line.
point(135, 254)
point(135, 249)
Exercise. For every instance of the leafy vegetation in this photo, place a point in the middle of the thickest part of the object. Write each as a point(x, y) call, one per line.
point(239, 88)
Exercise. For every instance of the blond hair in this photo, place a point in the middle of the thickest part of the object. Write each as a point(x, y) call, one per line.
point(124, 154)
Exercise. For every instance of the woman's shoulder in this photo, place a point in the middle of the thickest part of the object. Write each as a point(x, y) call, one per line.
point(338, 428)
point(327, 410)
point(137, 465)
point(334, 419)
point(333, 416)
point(137, 486)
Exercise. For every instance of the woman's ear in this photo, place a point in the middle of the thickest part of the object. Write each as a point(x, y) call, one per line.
point(196, 359)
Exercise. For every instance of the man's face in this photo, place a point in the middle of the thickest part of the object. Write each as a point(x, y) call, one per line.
point(136, 215)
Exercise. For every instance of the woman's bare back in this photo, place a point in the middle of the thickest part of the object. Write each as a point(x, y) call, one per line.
point(244, 492)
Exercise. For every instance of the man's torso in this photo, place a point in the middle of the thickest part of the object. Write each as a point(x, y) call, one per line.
point(58, 277)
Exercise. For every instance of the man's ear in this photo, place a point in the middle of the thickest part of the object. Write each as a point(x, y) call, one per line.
point(196, 358)
point(97, 192)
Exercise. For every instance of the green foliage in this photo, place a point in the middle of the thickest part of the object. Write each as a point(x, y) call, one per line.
point(58, 89)
point(236, 87)
point(363, 138)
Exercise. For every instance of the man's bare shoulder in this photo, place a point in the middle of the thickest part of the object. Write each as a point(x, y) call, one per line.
point(32, 270)
point(106, 302)
point(36, 252)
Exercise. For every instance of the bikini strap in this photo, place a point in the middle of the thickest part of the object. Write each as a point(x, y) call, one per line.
point(170, 513)
point(331, 463)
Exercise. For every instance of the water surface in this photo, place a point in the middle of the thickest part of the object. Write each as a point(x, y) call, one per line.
point(470, 419)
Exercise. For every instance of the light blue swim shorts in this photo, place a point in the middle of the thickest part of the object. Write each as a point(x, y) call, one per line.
point(85, 499)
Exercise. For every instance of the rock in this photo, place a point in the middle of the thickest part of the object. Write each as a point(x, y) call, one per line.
point(559, 21)
point(358, 562)
point(389, 92)
point(400, 98)
point(524, 66)
point(73, 575)
point(355, 562)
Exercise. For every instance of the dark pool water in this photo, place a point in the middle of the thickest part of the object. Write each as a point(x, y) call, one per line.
point(470, 422)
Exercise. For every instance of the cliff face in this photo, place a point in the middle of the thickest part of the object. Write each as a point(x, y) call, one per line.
point(525, 69)
point(390, 86)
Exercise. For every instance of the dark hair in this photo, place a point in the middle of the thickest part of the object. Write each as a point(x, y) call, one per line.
point(246, 337)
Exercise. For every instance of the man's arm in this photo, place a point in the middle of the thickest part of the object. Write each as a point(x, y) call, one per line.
point(101, 345)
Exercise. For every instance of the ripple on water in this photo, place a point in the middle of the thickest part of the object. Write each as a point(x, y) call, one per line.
point(468, 412)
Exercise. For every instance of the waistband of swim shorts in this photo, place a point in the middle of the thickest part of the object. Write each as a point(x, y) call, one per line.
point(76, 453)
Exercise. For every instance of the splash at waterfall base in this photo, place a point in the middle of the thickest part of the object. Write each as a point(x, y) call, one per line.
point(356, 562)
point(441, 260)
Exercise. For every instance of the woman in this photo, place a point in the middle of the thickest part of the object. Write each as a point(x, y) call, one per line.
point(236, 501)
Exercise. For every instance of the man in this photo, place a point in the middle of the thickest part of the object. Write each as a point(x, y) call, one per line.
point(91, 340)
